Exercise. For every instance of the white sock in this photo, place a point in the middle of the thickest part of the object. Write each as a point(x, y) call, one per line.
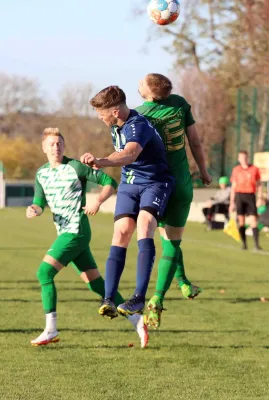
point(137, 321)
point(51, 320)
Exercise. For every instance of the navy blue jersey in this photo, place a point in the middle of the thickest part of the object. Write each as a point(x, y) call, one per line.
point(151, 165)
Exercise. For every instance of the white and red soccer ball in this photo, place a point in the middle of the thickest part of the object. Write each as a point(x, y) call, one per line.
point(163, 12)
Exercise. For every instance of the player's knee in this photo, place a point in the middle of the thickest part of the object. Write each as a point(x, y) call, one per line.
point(172, 233)
point(123, 231)
point(121, 238)
point(146, 225)
point(46, 273)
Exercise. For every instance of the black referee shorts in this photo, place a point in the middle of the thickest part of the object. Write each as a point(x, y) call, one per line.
point(245, 204)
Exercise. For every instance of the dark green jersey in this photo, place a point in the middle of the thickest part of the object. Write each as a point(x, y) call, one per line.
point(171, 117)
point(64, 189)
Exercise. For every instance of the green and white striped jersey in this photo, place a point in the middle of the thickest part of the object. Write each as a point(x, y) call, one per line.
point(64, 188)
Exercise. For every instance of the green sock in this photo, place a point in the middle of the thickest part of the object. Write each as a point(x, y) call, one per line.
point(98, 286)
point(118, 299)
point(167, 266)
point(180, 270)
point(45, 274)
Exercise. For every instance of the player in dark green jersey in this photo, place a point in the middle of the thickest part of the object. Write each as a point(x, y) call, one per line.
point(62, 185)
point(171, 115)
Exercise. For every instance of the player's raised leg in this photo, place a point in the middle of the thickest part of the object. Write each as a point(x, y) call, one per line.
point(126, 211)
point(86, 267)
point(124, 227)
point(153, 202)
point(166, 270)
point(47, 270)
point(146, 226)
point(188, 290)
point(171, 264)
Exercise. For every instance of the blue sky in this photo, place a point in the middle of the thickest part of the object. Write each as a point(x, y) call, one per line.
point(59, 42)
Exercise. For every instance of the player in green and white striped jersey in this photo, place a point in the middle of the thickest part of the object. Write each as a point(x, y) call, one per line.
point(62, 185)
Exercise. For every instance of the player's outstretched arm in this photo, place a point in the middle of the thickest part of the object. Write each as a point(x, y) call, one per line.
point(125, 157)
point(198, 153)
point(33, 211)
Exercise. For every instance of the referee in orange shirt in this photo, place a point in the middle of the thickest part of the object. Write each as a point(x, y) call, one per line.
point(246, 182)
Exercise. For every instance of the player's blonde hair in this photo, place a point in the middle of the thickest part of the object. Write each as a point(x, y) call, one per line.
point(51, 132)
point(159, 85)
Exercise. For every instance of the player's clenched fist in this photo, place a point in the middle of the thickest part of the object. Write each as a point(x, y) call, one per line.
point(88, 159)
point(31, 212)
point(206, 178)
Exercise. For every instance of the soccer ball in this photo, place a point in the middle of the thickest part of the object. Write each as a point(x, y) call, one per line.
point(163, 12)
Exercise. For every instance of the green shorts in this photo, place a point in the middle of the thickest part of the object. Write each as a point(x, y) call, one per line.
point(178, 207)
point(69, 247)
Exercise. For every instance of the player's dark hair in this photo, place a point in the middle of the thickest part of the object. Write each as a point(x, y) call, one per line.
point(160, 86)
point(243, 152)
point(111, 96)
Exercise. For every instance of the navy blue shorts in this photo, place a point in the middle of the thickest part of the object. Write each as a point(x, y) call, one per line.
point(133, 198)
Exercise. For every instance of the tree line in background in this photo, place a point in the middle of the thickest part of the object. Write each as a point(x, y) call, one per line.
point(220, 46)
point(24, 114)
point(223, 45)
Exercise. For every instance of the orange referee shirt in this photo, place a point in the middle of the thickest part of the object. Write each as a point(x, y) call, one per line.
point(245, 179)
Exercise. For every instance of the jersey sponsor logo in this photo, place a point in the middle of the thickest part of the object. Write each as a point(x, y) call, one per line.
point(130, 177)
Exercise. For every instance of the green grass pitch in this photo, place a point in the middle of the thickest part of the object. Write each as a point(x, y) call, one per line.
point(213, 348)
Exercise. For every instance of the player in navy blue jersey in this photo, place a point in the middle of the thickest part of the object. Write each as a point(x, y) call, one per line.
point(146, 184)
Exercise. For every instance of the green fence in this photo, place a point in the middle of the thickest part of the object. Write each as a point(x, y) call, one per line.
point(250, 130)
